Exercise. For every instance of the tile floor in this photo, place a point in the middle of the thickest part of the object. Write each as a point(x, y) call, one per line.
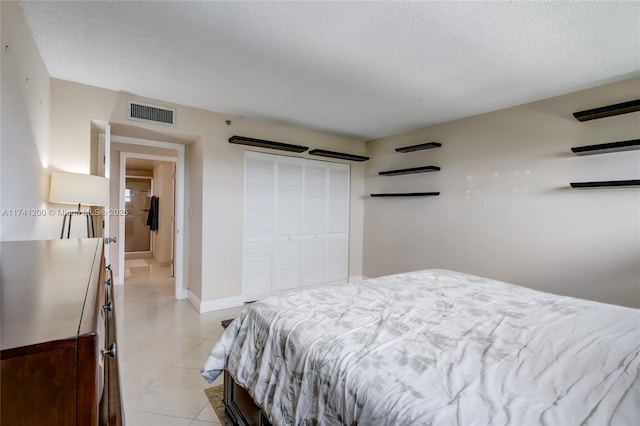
point(163, 343)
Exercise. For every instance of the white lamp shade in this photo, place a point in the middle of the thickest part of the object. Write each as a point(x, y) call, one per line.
point(76, 188)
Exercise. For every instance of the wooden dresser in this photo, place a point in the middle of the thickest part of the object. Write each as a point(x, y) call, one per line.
point(58, 350)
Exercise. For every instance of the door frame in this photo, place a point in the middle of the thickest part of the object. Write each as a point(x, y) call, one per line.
point(104, 169)
point(181, 291)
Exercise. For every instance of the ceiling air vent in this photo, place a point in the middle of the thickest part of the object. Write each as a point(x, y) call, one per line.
point(152, 114)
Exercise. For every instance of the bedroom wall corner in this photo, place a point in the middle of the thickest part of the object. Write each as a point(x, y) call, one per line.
point(194, 220)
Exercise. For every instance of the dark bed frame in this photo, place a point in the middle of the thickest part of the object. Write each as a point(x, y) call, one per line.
point(239, 407)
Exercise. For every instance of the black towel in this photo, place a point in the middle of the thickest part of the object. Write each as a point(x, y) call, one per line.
point(152, 219)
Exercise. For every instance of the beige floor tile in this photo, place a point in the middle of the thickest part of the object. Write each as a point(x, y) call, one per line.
point(197, 357)
point(207, 414)
point(131, 337)
point(202, 423)
point(144, 304)
point(151, 359)
point(179, 392)
point(196, 325)
point(215, 335)
point(160, 349)
point(137, 418)
point(163, 344)
point(134, 380)
point(223, 315)
point(143, 272)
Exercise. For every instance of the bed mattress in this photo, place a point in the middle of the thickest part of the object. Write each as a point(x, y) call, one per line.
point(434, 347)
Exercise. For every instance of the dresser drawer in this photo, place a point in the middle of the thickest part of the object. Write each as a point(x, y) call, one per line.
point(39, 388)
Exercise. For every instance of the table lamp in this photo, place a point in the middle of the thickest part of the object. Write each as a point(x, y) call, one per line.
point(77, 188)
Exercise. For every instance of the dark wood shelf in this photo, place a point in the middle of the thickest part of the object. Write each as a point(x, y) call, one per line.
point(423, 169)
point(419, 147)
point(608, 111)
point(607, 147)
point(407, 194)
point(339, 155)
point(606, 184)
point(261, 143)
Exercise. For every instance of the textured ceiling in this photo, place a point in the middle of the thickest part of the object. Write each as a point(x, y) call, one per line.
point(364, 69)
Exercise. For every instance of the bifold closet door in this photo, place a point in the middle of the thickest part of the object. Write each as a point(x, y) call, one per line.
point(338, 223)
point(314, 248)
point(289, 223)
point(296, 224)
point(258, 247)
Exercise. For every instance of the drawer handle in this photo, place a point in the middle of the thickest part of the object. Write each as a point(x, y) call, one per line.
point(108, 306)
point(110, 352)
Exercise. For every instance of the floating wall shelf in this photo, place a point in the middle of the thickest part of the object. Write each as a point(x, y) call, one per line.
point(422, 146)
point(340, 155)
point(608, 111)
point(261, 143)
point(423, 169)
point(606, 184)
point(407, 194)
point(607, 147)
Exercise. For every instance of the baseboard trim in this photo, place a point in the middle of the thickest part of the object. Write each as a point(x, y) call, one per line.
point(357, 278)
point(183, 293)
point(216, 304)
point(193, 299)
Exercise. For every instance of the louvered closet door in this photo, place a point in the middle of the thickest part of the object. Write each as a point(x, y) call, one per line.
point(289, 223)
point(314, 249)
point(296, 224)
point(338, 232)
point(258, 250)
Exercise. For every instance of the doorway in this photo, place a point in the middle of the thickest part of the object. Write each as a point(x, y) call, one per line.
point(145, 149)
point(138, 238)
point(149, 219)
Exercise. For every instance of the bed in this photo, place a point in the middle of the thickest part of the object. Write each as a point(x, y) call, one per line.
point(433, 347)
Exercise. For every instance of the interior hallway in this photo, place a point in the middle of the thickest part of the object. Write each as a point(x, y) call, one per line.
point(163, 344)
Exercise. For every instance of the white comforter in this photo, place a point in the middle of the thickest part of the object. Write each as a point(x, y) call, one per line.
point(435, 347)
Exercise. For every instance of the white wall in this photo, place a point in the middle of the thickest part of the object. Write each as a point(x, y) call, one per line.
point(24, 150)
point(506, 210)
point(213, 268)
